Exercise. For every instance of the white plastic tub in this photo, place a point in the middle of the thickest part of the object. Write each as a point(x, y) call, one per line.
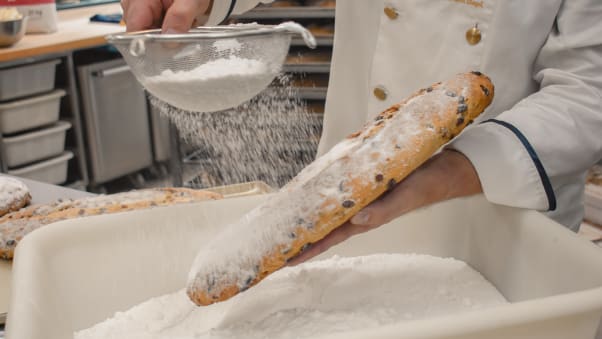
point(37, 145)
point(51, 171)
point(73, 274)
point(20, 115)
point(21, 81)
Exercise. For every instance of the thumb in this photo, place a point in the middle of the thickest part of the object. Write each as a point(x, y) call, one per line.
point(181, 15)
point(382, 210)
point(373, 215)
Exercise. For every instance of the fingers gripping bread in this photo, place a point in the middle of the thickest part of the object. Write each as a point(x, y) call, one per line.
point(336, 186)
point(14, 226)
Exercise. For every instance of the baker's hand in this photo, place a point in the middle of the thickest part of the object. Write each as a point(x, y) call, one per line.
point(173, 16)
point(447, 175)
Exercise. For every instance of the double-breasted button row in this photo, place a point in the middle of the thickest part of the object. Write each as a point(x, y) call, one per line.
point(380, 92)
point(473, 37)
point(473, 34)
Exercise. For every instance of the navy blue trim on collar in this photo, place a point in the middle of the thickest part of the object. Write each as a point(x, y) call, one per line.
point(232, 5)
point(545, 180)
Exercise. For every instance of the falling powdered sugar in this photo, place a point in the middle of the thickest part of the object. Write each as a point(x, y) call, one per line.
point(269, 138)
point(314, 299)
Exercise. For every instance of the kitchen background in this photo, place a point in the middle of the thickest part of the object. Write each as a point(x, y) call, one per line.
point(79, 118)
point(90, 125)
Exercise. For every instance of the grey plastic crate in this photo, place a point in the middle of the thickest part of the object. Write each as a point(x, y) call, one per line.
point(36, 145)
point(21, 81)
point(21, 115)
point(52, 171)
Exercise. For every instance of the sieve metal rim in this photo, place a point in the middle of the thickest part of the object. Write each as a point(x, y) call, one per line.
point(200, 33)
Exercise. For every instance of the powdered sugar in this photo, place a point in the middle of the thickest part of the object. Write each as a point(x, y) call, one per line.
point(316, 298)
point(227, 45)
point(214, 85)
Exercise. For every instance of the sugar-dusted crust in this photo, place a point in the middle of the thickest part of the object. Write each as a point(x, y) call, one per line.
point(336, 186)
point(14, 226)
point(14, 195)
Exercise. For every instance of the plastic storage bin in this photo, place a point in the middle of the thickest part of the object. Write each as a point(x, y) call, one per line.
point(52, 171)
point(24, 114)
point(37, 145)
point(20, 81)
point(20, 115)
point(76, 273)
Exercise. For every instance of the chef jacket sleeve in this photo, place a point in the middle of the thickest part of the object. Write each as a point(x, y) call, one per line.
point(522, 155)
point(222, 9)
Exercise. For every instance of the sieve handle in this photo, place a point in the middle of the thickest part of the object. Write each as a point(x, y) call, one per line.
point(295, 28)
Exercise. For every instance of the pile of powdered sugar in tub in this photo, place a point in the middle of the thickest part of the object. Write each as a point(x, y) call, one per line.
point(314, 299)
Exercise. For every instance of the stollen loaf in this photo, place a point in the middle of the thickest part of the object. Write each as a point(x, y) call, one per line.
point(16, 225)
point(336, 186)
point(14, 195)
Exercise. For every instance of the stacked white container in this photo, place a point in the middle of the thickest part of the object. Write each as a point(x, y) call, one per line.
point(31, 135)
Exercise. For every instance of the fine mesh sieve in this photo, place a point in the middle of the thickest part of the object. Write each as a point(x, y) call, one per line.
point(209, 68)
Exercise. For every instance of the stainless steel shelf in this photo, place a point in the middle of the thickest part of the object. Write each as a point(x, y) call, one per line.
point(312, 93)
point(322, 41)
point(65, 80)
point(307, 68)
point(288, 13)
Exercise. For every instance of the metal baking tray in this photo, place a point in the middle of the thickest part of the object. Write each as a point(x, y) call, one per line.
point(37, 145)
point(243, 190)
point(52, 171)
point(21, 81)
point(21, 115)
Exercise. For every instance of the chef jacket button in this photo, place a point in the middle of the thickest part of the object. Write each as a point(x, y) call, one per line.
point(473, 35)
point(380, 93)
point(391, 13)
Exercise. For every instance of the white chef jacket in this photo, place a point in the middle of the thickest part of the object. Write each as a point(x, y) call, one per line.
point(532, 146)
